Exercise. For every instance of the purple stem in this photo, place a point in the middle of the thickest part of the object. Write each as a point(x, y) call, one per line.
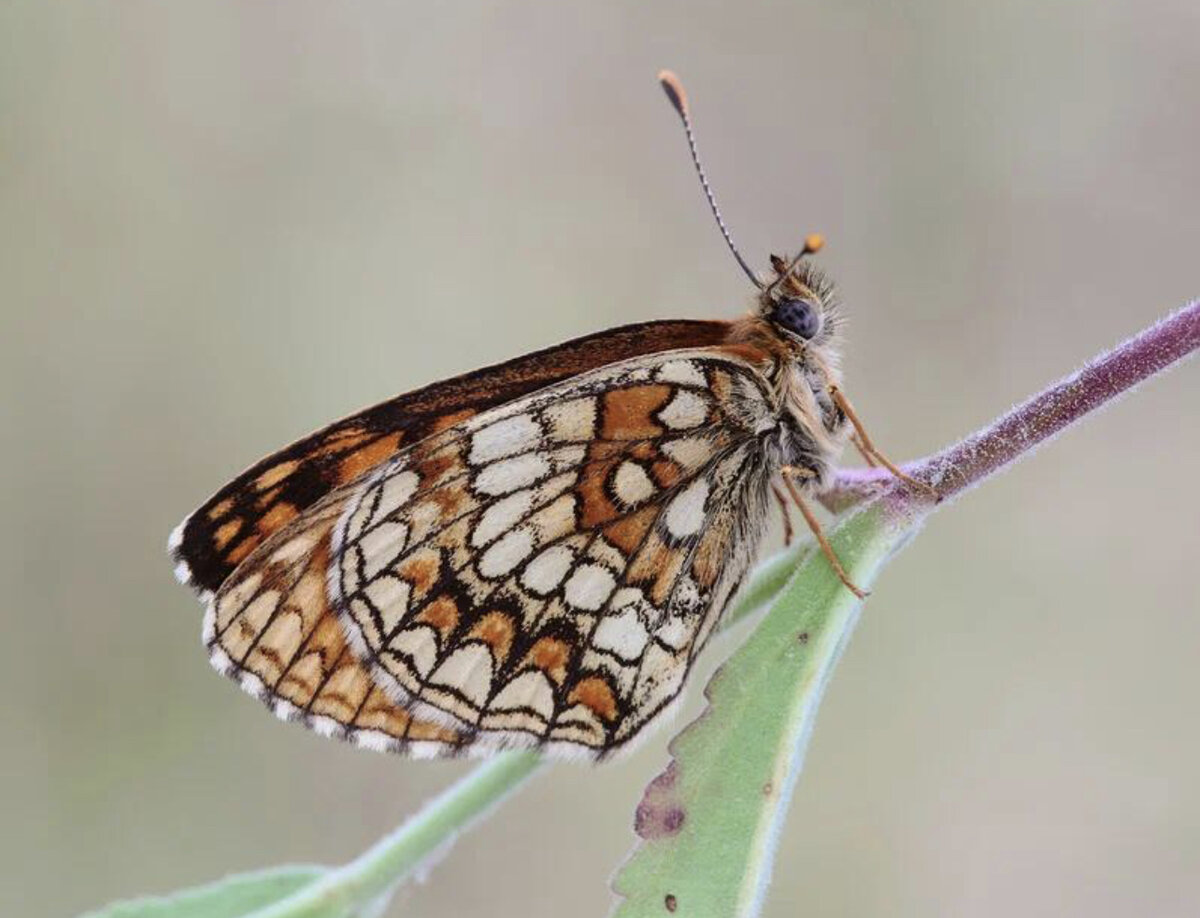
point(1016, 434)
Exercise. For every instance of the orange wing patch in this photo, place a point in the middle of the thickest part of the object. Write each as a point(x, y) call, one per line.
point(629, 413)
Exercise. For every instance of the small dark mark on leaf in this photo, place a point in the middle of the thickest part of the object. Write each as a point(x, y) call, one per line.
point(768, 789)
point(803, 637)
point(671, 902)
point(659, 814)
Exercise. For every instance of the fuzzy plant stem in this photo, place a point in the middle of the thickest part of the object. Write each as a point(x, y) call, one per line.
point(1016, 434)
point(412, 846)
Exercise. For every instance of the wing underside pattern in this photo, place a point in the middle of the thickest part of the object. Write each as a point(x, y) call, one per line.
point(539, 575)
point(281, 640)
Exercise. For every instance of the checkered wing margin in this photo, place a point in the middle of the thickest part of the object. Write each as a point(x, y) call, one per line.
point(539, 575)
point(273, 629)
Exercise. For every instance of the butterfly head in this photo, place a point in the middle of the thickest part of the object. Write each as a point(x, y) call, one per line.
point(799, 303)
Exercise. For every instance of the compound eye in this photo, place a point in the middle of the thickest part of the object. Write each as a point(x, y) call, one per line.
point(798, 316)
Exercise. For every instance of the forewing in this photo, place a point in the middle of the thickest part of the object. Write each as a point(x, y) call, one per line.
point(216, 538)
point(543, 574)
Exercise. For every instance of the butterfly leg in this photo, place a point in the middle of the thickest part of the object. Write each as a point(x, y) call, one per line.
point(868, 449)
point(862, 450)
point(788, 532)
point(788, 473)
point(862, 440)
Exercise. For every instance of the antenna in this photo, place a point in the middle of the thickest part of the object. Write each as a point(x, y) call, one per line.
point(812, 244)
point(678, 98)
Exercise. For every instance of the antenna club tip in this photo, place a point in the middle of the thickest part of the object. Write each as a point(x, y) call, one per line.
point(814, 242)
point(674, 90)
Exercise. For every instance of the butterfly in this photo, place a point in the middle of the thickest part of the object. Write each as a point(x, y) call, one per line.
point(533, 554)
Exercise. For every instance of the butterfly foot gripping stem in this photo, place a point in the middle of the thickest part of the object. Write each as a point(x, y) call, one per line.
point(789, 473)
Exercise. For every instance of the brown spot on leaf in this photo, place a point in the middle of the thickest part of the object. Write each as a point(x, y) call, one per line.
point(659, 814)
point(671, 902)
point(803, 637)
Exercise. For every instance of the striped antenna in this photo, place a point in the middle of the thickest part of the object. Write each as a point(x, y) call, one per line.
point(812, 243)
point(678, 98)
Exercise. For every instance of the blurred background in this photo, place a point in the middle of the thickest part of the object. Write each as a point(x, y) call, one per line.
point(224, 224)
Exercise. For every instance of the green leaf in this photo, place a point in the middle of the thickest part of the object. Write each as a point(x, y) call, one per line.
point(230, 897)
point(769, 578)
point(359, 889)
point(710, 822)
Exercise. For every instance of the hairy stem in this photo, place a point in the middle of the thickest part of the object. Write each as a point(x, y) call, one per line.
point(1016, 434)
point(395, 856)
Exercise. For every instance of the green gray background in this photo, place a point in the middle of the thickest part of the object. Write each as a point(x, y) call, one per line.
point(224, 224)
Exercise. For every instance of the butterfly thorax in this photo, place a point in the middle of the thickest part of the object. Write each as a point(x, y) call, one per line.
point(809, 430)
point(813, 429)
point(793, 337)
